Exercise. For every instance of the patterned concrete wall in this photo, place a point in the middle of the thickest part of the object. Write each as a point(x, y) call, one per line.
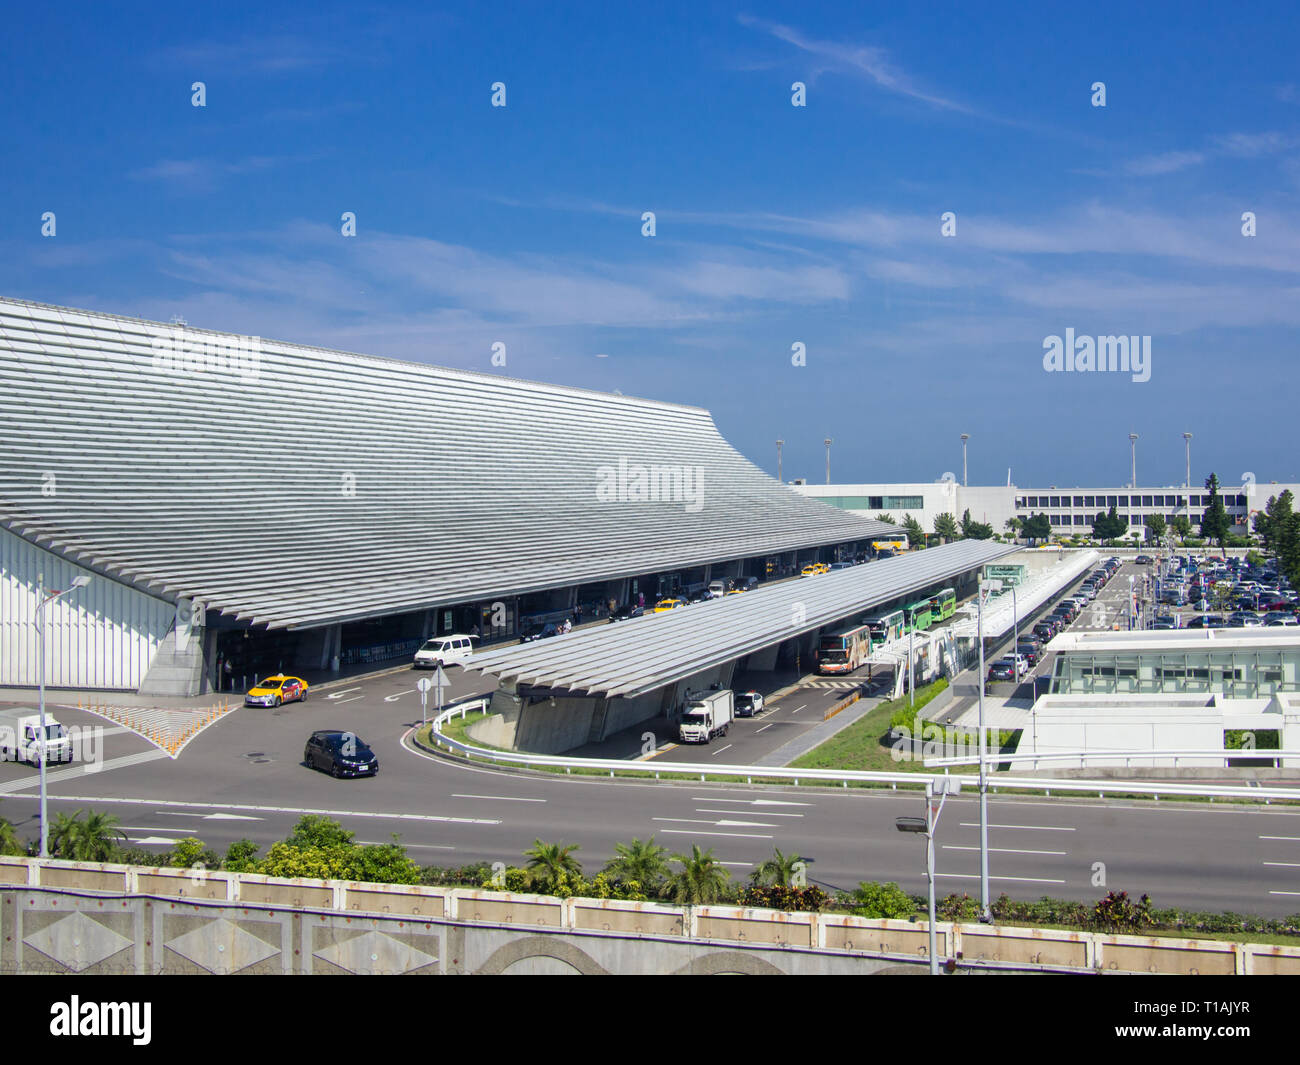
point(72, 917)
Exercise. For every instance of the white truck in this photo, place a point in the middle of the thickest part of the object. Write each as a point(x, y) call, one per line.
point(706, 714)
point(20, 737)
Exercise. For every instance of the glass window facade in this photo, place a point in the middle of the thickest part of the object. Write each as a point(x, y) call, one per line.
point(1235, 674)
point(876, 503)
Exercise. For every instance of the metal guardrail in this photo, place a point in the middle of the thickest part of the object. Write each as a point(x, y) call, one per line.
point(1254, 753)
point(843, 777)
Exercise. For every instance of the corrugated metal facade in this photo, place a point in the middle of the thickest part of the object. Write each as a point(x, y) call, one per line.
point(298, 487)
point(101, 636)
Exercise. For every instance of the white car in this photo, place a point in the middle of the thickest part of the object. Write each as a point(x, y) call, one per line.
point(444, 651)
point(748, 704)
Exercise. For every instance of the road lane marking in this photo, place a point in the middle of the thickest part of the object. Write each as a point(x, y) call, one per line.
point(339, 695)
point(109, 800)
point(998, 850)
point(719, 824)
point(798, 708)
point(729, 835)
point(766, 813)
point(409, 846)
point(1289, 865)
point(1284, 892)
point(155, 841)
point(721, 749)
point(1290, 838)
point(352, 700)
point(1016, 879)
point(769, 725)
point(1037, 828)
point(499, 798)
point(750, 802)
point(10, 787)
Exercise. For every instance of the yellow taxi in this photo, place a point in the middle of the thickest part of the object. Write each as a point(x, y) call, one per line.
point(276, 690)
point(736, 591)
point(664, 605)
point(813, 569)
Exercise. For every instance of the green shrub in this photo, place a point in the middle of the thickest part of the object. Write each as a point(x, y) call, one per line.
point(190, 852)
point(780, 897)
point(241, 856)
point(870, 899)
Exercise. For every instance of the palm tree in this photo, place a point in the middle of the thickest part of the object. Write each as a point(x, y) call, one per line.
point(640, 860)
point(93, 840)
point(701, 880)
point(9, 841)
point(550, 861)
point(780, 869)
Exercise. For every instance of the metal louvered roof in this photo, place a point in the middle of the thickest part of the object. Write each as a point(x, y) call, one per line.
point(308, 486)
point(633, 657)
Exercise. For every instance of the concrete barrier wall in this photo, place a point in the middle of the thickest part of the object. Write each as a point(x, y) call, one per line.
point(80, 917)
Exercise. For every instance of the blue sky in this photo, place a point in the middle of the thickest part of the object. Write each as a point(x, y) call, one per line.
point(775, 224)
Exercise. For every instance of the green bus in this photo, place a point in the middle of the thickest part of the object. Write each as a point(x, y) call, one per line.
point(919, 616)
point(942, 604)
point(885, 627)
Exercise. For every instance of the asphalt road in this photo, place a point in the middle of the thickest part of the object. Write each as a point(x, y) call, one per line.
point(243, 777)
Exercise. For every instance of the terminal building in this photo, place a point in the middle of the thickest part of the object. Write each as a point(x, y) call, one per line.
point(1135, 693)
point(244, 506)
point(1070, 510)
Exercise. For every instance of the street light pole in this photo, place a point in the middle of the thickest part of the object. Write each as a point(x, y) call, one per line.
point(1133, 447)
point(941, 787)
point(828, 441)
point(41, 602)
point(1187, 439)
point(779, 445)
point(964, 438)
point(986, 913)
point(911, 670)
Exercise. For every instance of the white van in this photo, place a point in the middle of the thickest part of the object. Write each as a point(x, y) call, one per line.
point(444, 651)
point(717, 588)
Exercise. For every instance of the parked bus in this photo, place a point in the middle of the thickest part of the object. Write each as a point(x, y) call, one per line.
point(942, 604)
point(919, 616)
point(886, 627)
point(889, 545)
point(844, 651)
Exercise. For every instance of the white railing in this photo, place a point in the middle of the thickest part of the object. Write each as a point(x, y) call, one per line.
point(1220, 753)
point(843, 777)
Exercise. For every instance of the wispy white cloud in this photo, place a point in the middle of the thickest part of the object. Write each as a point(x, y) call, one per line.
point(864, 61)
point(1164, 163)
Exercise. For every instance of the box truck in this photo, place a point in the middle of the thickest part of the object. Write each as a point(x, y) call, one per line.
point(707, 714)
point(20, 732)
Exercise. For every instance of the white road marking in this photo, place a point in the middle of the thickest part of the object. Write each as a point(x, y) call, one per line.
point(339, 695)
point(998, 850)
point(409, 846)
point(1290, 838)
point(750, 802)
point(156, 841)
point(721, 749)
point(1284, 892)
point(231, 817)
point(729, 835)
point(500, 798)
point(1288, 865)
point(766, 813)
point(798, 708)
point(757, 731)
point(394, 698)
point(352, 700)
point(719, 824)
point(51, 778)
point(1037, 828)
point(1016, 879)
point(109, 800)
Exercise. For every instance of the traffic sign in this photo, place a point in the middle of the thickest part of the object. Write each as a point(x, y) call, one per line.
point(424, 684)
